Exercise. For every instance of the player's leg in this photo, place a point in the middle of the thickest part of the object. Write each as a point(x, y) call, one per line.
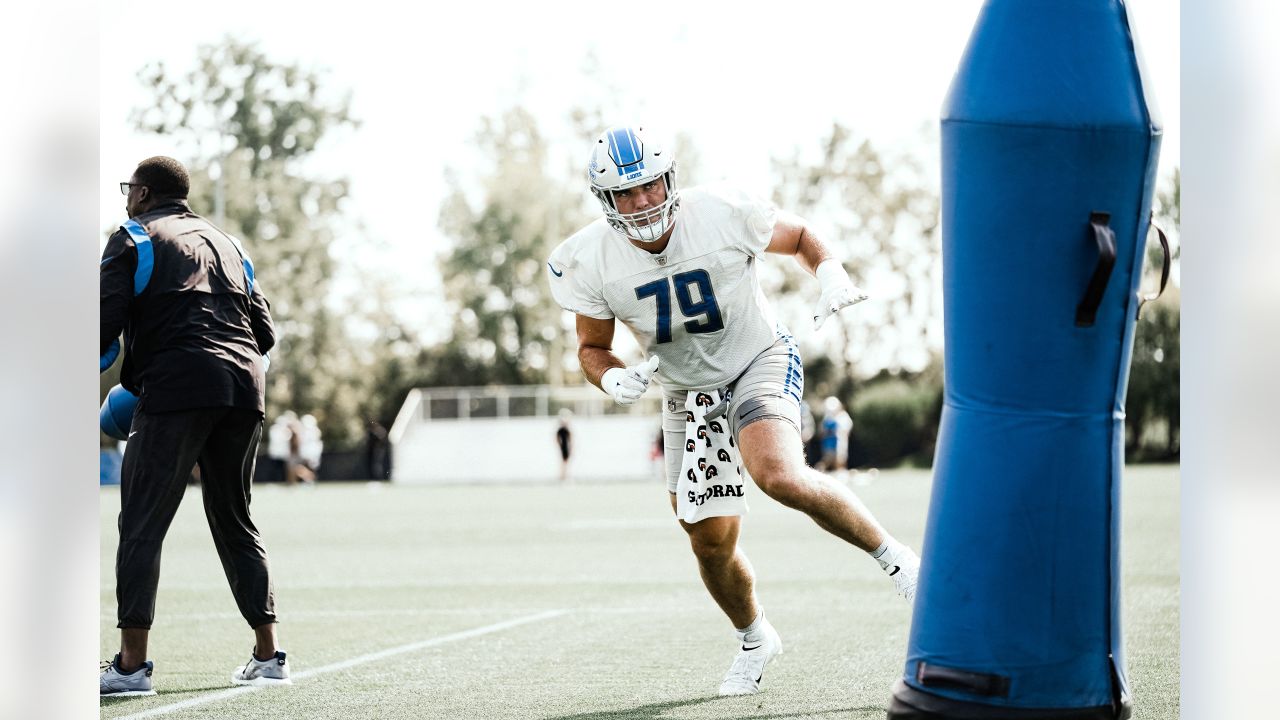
point(725, 570)
point(158, 458)
point(764, 416)
point(773, 456)
point(726, 573)
point(730, 580)
point(228, 463)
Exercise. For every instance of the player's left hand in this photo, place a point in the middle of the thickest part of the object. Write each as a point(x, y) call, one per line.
point(838, 292)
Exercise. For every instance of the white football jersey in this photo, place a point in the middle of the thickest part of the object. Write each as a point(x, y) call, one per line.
point(697, 305)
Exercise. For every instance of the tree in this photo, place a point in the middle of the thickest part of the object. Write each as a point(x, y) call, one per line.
point(880, 217)
point(895, 418)
point(1169, 202)
point(507, 328)
point(1166, 214)
point(249, 125)
point(1152, 403)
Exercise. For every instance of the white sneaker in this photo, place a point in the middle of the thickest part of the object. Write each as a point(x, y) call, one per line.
point(273, 671)
point(904, 568)
point(113, 683)
point(744, 674)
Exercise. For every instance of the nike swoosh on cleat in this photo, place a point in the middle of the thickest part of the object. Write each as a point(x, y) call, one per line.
point(749, 649)
point(554, 272)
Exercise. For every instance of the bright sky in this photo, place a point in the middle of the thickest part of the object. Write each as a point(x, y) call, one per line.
point(747, 81)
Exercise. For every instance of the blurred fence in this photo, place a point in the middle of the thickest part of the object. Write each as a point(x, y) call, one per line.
point(507, 434)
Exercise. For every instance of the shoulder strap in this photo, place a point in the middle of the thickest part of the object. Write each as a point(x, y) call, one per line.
point(146, 259)
point(244, 258)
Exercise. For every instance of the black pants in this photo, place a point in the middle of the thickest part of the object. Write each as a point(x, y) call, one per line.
point(158, 459)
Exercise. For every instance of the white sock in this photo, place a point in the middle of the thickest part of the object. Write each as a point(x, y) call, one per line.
point(750, 632)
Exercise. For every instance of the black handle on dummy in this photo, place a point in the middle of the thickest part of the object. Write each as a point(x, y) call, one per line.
point(1164, 272)
point(1087, 310)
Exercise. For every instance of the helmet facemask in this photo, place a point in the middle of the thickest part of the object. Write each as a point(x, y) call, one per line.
point(648, 225)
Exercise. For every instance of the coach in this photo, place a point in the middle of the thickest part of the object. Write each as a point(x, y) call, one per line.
point(196, 326)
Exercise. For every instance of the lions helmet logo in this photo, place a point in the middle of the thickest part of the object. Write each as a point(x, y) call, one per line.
point(689, 446)
point(723, 455)
point(716, 427)
point(688, 416)
point(702, 463)
point(703, 400)
point(691, 476)
point(712, 472)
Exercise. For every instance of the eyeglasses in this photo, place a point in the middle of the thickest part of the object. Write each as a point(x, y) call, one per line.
point(125, 187)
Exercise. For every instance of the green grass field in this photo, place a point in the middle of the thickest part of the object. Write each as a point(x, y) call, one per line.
point(578, 602)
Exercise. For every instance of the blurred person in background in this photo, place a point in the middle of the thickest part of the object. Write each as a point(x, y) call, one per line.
point(564, 441)
point(377, 451)
point(836, 426)
point(678, 268)
point(295, 465)
point(311, 447)
point(278, 443)
point(658, 454)
point(196, 326)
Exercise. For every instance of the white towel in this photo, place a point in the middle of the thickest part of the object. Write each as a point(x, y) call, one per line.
point(711, 477)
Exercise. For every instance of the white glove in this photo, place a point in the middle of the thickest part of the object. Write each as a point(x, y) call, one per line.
point(838, 291)
point(626, 385)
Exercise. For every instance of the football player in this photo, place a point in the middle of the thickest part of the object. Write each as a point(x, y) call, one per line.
point(678, 268)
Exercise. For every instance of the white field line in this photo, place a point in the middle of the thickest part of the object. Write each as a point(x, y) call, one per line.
point(352, 662)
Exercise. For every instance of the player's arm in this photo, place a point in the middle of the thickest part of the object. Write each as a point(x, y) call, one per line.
point(264, 330)
point(115, 292)
point(595, 348)
point(792, 236)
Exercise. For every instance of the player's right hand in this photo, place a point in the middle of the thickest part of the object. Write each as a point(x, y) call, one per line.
point(626, 385)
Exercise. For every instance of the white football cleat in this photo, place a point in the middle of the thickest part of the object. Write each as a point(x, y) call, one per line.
point(744, 674)
point(272, 671)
